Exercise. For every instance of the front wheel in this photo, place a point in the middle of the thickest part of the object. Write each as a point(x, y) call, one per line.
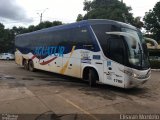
point(31, 66)
point(92, 78)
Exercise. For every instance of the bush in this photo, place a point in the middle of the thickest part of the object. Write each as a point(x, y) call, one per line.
point(155, 64)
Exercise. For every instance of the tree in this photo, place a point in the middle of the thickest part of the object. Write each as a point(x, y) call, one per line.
point(108, 9)
point(87, 5)
point(7, 36)
point(79, 17)
point(1, 26)
point(152, 22)
point(1, 36)
point(42, 25)
point(19, 30)
point(6, 39)
point(45, 24)
point(1, 30)
point(31, 28)
point(55, 23)
point(8, 43)
point(138, 23)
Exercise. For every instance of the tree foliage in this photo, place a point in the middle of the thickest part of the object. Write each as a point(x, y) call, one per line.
point(138, 23)
point(108, 9)
point(79, 17)
point(31, 28)
point(152, 21)
point(7, 36)
point(6, 39)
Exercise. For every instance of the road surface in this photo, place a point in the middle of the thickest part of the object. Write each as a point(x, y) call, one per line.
point(42, 95)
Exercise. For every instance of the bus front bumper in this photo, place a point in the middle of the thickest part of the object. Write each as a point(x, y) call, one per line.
point(133, 82)
point(138, 79)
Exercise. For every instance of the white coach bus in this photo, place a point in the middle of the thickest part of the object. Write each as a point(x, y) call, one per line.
point(104, 51)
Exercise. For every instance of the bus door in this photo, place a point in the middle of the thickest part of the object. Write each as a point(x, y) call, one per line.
point(113, 66)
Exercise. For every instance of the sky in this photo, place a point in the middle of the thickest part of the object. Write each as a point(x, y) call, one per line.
point(27, 12)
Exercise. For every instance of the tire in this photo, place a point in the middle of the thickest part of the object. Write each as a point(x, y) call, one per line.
point(92, 77)
point(31, 66)
point(7, 59)
point(25, 65)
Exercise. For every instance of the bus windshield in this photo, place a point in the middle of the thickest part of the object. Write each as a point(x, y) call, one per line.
point(138, 57)
point(119, 48)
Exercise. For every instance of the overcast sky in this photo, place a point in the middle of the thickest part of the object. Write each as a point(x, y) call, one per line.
point(27, 12)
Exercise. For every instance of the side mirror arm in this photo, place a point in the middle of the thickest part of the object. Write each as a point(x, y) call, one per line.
point(153, 41)
point(124, 34)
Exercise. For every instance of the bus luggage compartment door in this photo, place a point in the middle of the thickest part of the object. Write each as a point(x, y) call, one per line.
point(56, 65)
point(71, 67)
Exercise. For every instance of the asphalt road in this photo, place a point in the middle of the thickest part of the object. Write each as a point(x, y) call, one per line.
point(42, 95)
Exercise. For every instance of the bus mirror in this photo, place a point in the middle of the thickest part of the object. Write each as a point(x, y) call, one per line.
point(153, 41)
point(133, 41)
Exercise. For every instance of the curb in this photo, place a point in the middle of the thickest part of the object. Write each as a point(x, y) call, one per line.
point(157, 70)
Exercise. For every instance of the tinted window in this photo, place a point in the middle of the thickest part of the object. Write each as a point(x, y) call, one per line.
point(100, 31)
point(112, 45)
point(116, 50)
point(79, 37)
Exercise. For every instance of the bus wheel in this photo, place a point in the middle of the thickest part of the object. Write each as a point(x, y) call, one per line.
point(25, 64)
point(31, 66)
point(7, 58)
point(92, 78)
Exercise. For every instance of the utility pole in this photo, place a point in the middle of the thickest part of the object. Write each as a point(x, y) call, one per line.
point(41, 14)
point(40, 17)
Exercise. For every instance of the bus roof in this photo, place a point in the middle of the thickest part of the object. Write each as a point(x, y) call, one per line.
point(81, 23)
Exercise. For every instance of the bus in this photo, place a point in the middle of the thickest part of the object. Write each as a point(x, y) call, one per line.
point(98, 50)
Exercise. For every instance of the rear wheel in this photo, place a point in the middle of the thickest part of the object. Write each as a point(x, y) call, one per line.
point(31, 66)
point(25, 64)
point(92, 78)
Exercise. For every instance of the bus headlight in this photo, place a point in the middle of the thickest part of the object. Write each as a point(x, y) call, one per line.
point(141, 76)
point(137, 76)
point(134, 75)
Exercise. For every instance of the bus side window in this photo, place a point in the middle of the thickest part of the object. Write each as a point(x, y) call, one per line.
point(82, 38)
